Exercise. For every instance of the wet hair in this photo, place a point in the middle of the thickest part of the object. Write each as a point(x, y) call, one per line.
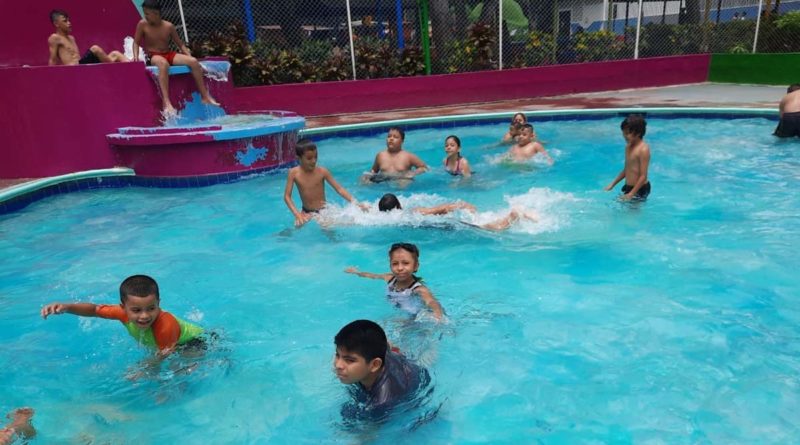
point(634, 124)
point(524, 126)
point(304, 145)
point(56, 13)
point(399, 130)
point(408, 247)
point(524, 118)
point(363, 337)
point(154, 5)
point(793, 87)
point(455, 138)
point(138, 286)
point(388, 202)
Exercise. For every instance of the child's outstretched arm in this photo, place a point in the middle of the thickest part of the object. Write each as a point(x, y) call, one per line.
point(444, 209)
point(82, 309)
point(375, 276)
point(540, 149)
point(431, 302)
point(341, 190)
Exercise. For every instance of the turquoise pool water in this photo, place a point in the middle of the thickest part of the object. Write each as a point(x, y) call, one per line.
point(674, 321)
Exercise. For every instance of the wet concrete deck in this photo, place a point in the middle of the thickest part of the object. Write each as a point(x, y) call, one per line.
point(695, 95)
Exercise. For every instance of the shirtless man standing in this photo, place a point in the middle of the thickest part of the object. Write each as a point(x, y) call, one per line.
point(789, 108)
point(637, 159)
point(64, 49)
point(394, 162)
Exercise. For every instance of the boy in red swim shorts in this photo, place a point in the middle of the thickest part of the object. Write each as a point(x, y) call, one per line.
point(157, 34)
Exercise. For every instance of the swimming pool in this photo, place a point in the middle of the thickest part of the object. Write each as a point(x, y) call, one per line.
point(674, 321)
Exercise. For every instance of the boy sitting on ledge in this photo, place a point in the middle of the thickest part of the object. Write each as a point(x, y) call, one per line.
point(157, 34)
point(64, 48)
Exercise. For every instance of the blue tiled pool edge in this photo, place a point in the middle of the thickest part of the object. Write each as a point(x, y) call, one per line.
point(19, 196)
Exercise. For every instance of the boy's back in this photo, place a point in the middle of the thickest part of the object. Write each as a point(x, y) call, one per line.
point(400, 381)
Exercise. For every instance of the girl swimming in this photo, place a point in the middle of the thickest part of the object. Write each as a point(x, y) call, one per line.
point(454, 163)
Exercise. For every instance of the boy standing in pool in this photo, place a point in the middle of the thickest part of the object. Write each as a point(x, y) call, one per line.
point(394, 162)
point(64, 48)
point(637, 159)
point(527, 146)
point(310, 181)
point(157, 34)
point(789, 108)
point(380, 378)
point(140, 312)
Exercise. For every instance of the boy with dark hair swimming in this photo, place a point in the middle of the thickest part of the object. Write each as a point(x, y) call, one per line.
point(64, 48)
point(379, 378)
point(789, 109)
point(310, 180)
point(140, 312)
point(637, 159)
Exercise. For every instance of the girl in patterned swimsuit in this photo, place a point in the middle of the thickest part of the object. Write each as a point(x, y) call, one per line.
point(404, 289)
point(454, 163)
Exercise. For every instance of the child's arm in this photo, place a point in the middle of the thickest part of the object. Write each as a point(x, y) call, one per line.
point(376, 168)
point(644, 164)
point(53, 42)
point(81, 309)
point(419, 164)
point(465, 170)
point(173, 34)
point(444, 209)
point(341, 190)
point(299, 218)
point(430, 301)
point(375, 276)
point(539, 148)
point(137, 37)
point(616, 180)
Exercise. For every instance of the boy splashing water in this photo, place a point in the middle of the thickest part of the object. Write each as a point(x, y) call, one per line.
point(157, 34)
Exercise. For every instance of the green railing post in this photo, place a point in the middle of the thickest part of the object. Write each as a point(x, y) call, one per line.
point(426, 43)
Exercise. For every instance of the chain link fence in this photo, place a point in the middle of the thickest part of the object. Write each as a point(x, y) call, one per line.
point(293, 41)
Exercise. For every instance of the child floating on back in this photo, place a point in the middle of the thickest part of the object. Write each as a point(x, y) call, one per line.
point(394, 162)
point(310, 181)
point(157, 34)
point(527, 146)
point(454, 163)
point(637, 159)
point(403, 289)
point(140, 312)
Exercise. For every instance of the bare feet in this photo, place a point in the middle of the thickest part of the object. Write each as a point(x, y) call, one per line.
point(209, 101)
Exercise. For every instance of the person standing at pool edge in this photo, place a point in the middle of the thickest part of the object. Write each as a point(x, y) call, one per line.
point(394, 162)
point(140, 312)
point(310, 181)
point(637, 159)
point(789, 108)
point(157, 34)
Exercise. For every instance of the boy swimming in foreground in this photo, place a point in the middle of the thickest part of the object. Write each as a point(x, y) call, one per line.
point(310, 180)
point(140, 312)
point(379, 377)
point(637, 159)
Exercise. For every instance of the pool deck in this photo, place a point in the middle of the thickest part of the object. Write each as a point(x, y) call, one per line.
point(694, 95)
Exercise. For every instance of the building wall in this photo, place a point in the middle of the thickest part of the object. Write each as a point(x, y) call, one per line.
point(94, 22)
point(314, 99)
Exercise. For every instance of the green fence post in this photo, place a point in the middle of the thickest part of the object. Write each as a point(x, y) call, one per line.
point(426, 43)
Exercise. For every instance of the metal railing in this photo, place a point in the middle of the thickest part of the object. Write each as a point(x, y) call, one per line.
point(292, 41)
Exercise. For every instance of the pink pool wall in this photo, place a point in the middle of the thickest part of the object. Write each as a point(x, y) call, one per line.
point(486, 86)
point(55, 119)
point(27, 26)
